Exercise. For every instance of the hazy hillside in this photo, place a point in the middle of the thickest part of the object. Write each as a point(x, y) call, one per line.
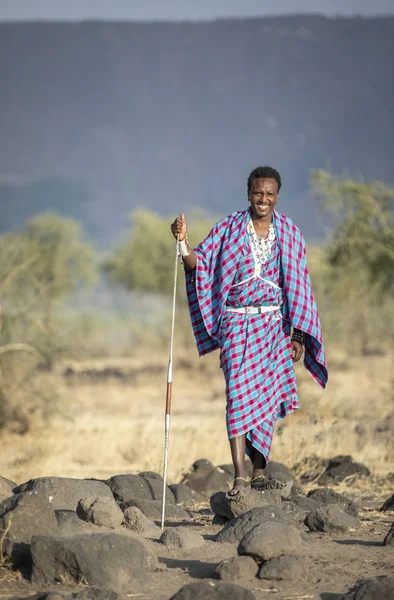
point(98, 118)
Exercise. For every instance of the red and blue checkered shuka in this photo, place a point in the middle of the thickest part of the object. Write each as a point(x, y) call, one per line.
point(255, 350)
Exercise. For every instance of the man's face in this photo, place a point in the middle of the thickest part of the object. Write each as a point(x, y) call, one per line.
point(263, 196)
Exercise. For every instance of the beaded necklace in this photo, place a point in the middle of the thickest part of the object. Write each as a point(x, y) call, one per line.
point(261, 247)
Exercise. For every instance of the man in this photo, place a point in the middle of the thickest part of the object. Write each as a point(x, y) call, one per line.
point(250, 295)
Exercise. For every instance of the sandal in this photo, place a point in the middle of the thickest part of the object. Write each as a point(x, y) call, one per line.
point(235, 491)
point(262, 483)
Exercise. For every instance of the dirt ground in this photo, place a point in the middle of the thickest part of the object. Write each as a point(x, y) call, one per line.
point(336, 562)
point(104, 426)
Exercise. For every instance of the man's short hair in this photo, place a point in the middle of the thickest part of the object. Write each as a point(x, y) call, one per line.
point(266, 172)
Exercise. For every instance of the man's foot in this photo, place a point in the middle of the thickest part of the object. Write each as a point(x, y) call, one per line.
point(240, 483)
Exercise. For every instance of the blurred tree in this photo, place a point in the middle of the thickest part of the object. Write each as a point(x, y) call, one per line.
point(363, 226)
point(145, 261)
point(355, 283)
point(41, 265)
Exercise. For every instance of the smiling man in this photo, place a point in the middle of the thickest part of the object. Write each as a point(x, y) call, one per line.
point(250, 295)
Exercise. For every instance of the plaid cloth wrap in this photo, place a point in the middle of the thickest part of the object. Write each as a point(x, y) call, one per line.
point(255, 354)
point(209, 284)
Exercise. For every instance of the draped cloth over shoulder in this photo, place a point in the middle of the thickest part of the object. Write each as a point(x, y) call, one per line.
point(209, 284)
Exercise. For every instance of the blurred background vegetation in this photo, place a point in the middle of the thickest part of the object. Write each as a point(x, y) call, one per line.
point(62, 299)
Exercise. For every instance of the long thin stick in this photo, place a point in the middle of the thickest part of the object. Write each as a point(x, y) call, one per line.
point(169, 391)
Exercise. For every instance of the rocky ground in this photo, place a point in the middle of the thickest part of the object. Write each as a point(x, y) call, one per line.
point(64, 538)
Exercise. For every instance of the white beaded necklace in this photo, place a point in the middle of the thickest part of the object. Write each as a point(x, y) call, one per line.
point(261, 247)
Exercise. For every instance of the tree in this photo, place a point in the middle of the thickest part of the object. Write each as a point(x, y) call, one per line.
point(359, 282)
point(363, 226)
point(41, 265)
point(145, 261)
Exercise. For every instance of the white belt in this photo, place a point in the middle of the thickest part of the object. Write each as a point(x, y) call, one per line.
point(252, 310)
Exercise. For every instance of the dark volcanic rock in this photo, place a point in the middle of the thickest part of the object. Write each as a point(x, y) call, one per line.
point(285, 568)
point(388, 505)
point(389, 539)
point(109, 560)
point(328, 496)
point(341, 467)
point(64, 493)
point(213, 591)
point(128, 488)
point(100, 511)
point(181, 538)
point(151, 475)
point(237, 569)
point(25, 515)
point(152, 510)
point(234, 531)
point(70, 524)
point(305, 505)
point(269, 540)
point(184, 494)
point(136, 521)
point(206, 479)
point(377, 588)
point(331, 518)
point(229, 468)
point(87, 593)
point(244, 501)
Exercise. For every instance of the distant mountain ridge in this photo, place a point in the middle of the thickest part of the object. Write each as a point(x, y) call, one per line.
point(99, 118)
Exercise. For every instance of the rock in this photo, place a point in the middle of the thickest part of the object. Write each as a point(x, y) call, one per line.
point(244, 501)
point(386, 425)
point(5, 490)
point(310, 468)
point(229, 468)
point(388, 505)
point(213, 591)
point(294, 511)
point(376, 588)
point(152, 510)
point(276, 468)
point(89, 593)
point(181, 538)
point(86, 594)
point(184, 494)
point(64, 493)
point(48, 596)
point(109, 560)
point(288, 568)
point(305, 505)
point(341, 467)
point(136, 521)
point(389, 539)
point(25, 515)
point(130, 488)
point(269, 540)
point(237, 569)
point(206, 479)
point(70, 524)
point(100, 511)
point(331, 518)
point(234, 531)
point(328, 496)
point(151, 475)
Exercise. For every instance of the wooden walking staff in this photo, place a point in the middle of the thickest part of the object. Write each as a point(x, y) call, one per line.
point(169, 391)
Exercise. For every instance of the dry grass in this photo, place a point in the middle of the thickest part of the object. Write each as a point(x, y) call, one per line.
point(117, 426)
